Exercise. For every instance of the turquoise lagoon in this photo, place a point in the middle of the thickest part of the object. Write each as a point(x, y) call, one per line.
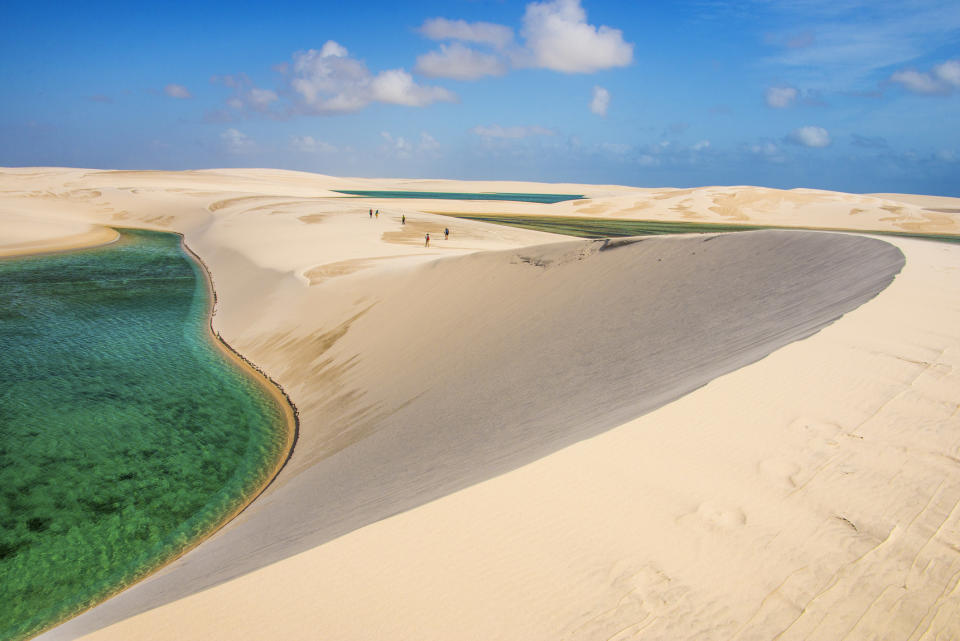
point(126, 433)
point(450, 195)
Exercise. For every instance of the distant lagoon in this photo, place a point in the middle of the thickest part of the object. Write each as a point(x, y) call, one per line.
point(449, 195)
point(126, 432)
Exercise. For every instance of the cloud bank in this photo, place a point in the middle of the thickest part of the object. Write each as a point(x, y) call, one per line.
point(943, 79)
point(556, 36)
point(329, 81)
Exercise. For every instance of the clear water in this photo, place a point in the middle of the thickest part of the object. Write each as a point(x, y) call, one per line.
point(449, 195)
point(125, 433)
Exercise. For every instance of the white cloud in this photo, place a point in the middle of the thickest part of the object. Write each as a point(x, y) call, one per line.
point(397, 146)
point(428, 142)
point(245, 94)
point(496, 131)
point(401, 147)
point(764, 149)
point(701, 145)
point(767, 150)
point(949, 72)
point(487, 33)
point(237, 142)
point(308, 144)
point(558, 37)
point(781, 97)
point(810, 136)
point(600, 101)
point(397, 87)
point(942, 79)
point(917, 82)
point(177, 91)
point(459, 62)
point(332, 49)
point(329, 81)
point(260, 99)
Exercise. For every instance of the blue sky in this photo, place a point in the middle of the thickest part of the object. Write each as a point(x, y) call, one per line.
point(832, 94)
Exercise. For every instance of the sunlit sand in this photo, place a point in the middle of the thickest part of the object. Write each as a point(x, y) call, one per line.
point(518, 435)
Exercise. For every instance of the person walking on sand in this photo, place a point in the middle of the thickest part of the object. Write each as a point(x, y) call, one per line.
point(426, 242)
point(371, 213)
point(446, 233)
point(377, 214)
point(403, 219)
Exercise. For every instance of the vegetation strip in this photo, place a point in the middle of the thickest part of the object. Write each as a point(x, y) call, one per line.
point(614, 227)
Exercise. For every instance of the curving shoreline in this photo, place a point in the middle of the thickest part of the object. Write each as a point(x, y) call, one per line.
point(243, 368)
point(276, 389)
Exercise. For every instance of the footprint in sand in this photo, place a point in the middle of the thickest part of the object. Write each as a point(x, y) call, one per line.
point(818, 431)
point(721, 516)
point(780, 470)
point(716, 516)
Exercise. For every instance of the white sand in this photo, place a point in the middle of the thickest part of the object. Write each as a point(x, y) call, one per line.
point(811, 493)
point(29, 235)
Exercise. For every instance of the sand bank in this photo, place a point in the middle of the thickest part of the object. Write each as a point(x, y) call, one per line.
point(23, 235)
point(471, 463)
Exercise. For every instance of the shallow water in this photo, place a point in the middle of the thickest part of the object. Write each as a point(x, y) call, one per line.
point(125, 433)
point(444, 195)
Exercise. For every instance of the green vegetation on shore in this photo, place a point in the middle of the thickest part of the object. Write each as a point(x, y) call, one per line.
point(615, 227)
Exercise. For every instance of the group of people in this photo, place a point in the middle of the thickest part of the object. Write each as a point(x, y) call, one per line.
point(403, 217)
point(426, 237)
point(403, 221)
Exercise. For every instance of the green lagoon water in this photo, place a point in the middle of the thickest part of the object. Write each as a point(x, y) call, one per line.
point(125, 433)
point(450, 195)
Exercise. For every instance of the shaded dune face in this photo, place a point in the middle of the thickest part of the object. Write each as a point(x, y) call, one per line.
point(466, 368)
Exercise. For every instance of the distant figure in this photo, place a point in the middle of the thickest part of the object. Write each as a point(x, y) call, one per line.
point(446, 233)
point(403, 219)
point(377, 214)
point(427, 241)
point(371, 213)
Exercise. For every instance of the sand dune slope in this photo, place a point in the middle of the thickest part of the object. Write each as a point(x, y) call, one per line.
point(444, 375)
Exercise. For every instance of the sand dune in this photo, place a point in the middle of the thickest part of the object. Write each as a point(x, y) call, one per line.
point(27, 235)
point(467, 368)
point(482, 454)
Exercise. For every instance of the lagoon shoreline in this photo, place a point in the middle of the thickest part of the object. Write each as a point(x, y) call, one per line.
point(103, 237)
